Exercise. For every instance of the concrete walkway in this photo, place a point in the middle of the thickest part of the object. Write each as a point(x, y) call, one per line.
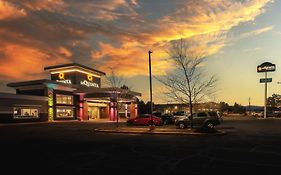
point(147, 130)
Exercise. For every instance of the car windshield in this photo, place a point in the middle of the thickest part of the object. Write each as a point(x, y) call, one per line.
point(167, 115)
point(213, 113)
point(180, 113)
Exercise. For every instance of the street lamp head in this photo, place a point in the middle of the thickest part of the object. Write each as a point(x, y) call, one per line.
point(149, 52)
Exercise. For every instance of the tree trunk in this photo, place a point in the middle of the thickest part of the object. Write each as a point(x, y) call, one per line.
point(191, 112)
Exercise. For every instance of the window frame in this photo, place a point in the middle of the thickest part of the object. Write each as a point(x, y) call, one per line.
point(22, 115)
point(72, 115)
point(205, 114)
point(62, 99)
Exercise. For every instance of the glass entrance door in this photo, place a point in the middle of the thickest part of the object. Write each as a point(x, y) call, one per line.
point(94, 113)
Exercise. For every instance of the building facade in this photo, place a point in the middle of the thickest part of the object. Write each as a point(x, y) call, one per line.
point(74, 92)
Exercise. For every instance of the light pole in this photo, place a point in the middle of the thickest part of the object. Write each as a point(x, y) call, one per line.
point(250, 111)
point(151, 125)
point(265, 96)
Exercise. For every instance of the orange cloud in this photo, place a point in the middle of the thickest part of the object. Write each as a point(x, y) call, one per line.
point(21, 62)
point(107, 10)
point(64, 52)
point(208, 18)
point(10, 11)
point(204, 24)
point(130, 59)
point(49, 5)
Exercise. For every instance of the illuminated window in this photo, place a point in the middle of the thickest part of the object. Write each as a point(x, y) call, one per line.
point(64, 99)
point(64, 112)
point(25, 112)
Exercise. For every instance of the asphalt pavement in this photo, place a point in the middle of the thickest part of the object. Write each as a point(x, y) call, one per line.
point(249, 146)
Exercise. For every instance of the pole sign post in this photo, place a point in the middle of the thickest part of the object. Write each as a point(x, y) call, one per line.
point(265, 67)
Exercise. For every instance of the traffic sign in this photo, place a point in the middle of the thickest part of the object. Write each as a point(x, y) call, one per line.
point(265, 80)
point(266, 67)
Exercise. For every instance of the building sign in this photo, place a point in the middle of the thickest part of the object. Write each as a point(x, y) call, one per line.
point(77, 78)
point(64, 81)
point(89, 84)
point(265, 80)
point(266, 67)
point(61, 78)
point(90, 77)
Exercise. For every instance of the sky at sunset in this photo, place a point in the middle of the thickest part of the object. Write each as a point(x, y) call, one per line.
point(235, 36)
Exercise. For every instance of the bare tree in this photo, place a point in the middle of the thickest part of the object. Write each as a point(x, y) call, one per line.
point(187, 83)
point(113, 80)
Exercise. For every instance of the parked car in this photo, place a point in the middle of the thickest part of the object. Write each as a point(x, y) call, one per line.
point(268, 114)
point(167, 119)
point(201, 120)
point(178, 115)
point(277, 113)
point(257, 113)
point(145, 119)
point(157, 114)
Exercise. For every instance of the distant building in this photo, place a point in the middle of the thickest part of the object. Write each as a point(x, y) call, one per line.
point(175, 107)
point(171, 107)
point(207, 106)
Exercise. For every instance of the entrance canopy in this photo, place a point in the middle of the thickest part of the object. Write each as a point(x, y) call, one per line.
point(109, 94)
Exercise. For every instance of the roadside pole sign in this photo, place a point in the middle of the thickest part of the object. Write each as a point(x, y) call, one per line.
point(265, 80)
point(265, 67)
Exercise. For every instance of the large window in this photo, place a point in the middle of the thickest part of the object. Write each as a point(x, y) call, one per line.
point(64, 99)
point(25, 112)
point(64, 112)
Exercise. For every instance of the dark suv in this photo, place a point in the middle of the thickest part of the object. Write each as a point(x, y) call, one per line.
point(200, 120)
point(166, 118)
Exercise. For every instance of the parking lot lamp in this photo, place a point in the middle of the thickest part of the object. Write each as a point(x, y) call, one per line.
point(151, 125)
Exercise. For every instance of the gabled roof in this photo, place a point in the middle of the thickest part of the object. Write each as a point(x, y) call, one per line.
point(20, 96)
point(73, 65)
point(42, 83)
point(29, 83)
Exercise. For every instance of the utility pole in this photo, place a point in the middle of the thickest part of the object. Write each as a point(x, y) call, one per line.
point(151, 126)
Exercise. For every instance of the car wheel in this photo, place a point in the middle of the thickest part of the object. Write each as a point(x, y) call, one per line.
point(182, 125)
point(209, 125)
point(150, 123)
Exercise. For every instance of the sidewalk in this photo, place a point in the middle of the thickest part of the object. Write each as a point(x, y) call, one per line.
point(165, 131)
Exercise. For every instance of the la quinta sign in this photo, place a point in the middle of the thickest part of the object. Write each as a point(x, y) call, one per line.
point(266, 67)
point(89, 84)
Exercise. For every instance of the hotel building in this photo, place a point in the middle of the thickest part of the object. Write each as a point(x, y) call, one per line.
point(74, 92)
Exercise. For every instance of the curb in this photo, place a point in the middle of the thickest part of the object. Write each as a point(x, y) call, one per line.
point(157, 132)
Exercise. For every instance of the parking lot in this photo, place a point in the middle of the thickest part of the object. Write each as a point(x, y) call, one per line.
point(250, 146)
